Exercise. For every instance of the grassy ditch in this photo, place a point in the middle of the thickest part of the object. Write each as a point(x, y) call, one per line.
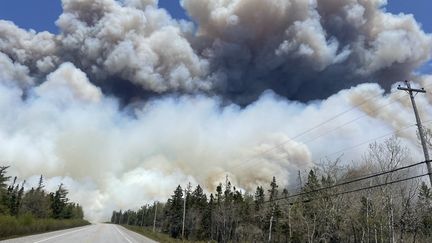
point(11, 227)
point(157, 236)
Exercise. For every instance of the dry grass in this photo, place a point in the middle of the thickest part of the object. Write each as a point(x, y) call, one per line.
point(160, 237)
point(11, 227)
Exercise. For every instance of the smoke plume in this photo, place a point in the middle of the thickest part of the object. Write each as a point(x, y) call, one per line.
point(126, 95)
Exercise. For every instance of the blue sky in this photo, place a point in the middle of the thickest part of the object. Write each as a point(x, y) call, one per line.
point(41, 14)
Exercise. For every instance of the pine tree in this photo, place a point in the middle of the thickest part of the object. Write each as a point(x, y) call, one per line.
point(37, 202)
point(174, 213)
point(424, 207)
point(59, 202)
point(273, 192)
point(259, 198)
point(197, 208)
point(273, 212)
point(4, 200)
point(208, 219)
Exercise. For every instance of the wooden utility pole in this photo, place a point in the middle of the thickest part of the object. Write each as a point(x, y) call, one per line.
point(411, 92)
point(154, 219)
point(184, 213)
point(300, 180)
point(142, 217)
point(270, 229)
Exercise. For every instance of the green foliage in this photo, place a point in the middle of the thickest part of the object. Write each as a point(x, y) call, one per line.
point(174, 213)
point(11, 226)
point(33, 211)
point(158, 236)
point(317, 212)
point(424, 208)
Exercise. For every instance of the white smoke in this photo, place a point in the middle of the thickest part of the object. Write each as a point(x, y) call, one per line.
point(111, 160)
point(58, 121)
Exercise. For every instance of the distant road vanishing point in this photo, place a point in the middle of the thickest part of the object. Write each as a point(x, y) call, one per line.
point(98, 233)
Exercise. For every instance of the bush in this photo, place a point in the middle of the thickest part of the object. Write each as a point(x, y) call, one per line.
point(157, 236)
point(26, 224)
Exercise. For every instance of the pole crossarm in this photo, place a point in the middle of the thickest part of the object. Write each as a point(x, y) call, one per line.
point(411, 89)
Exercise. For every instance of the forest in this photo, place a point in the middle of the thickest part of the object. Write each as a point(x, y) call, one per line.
point(35, 210)
point(385, 197)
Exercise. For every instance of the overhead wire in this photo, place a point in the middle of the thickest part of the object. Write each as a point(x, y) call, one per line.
point(308, 130)
point(351, 181)
point(363, 143)
point(325, 122)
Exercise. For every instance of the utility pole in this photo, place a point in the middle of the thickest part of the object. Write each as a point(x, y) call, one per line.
point(184, 213)
point(154, 219)
point(142, 217)
point(270, 228)
point(300, 180)
point(411, 92)
point(289, 222)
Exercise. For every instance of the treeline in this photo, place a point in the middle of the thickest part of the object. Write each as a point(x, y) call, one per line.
point(35, 210)
point(399, 212)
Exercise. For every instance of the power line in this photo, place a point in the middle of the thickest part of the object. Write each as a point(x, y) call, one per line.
point(370, 176)
point(365, 142)
point(320, 124)
point(380, 185)
point(356, 190)
point(310, 129)
point(351, 147)
point(349, 122)
point(351, 181)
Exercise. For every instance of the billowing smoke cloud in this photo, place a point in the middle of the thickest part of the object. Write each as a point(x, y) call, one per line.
point(125, 95)
point(298, 47)
point(238, 48)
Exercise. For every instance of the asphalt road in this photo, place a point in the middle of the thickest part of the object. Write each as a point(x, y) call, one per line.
point(99, 233)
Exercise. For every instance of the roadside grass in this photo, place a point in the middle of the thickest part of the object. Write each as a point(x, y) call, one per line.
point(11, 227)
point(157, 236)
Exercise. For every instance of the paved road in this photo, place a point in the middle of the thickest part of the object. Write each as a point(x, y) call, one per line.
point(99, 233)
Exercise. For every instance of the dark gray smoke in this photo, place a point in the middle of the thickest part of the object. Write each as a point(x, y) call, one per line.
point(306, 49)
point(301, 49)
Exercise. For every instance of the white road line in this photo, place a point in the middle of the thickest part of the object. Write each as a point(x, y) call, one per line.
point(56, 236)
point(124, 236)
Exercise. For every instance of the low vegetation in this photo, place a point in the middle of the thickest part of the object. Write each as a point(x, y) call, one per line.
point(157, 236)
point(11, 226)
point(35, 210)
point(399, 212)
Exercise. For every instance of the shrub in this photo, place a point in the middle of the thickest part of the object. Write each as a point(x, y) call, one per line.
point(26, 224)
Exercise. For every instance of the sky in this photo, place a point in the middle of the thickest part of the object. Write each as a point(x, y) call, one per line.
point(41, 15)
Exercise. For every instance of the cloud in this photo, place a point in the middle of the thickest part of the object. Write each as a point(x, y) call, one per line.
point(126, 95)
point(68, 82)
point(296, 48)
point(306, 49)
point(96, 148)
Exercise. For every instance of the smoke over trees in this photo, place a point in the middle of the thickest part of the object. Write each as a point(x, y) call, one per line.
point(36, 201)
point(24, 212)
point(321, 212)
point(133, 95)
